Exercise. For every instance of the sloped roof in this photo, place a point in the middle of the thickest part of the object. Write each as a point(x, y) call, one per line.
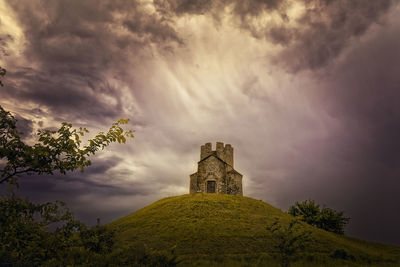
point(214, 154)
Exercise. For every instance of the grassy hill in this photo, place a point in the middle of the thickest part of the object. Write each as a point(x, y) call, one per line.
point(226, 230)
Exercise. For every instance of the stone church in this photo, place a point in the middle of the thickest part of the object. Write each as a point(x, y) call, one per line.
point(215, 172)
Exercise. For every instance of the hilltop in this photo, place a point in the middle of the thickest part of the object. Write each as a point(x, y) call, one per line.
point(227, 230)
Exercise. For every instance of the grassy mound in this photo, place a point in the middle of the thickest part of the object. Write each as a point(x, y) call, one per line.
point(225, 230)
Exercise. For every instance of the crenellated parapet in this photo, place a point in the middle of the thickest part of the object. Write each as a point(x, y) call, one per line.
point(215, 172)
point(228, 153)
point(206, 151)
point(223, 152)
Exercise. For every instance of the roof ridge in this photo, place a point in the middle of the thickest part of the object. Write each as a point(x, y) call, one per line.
point(215, 155)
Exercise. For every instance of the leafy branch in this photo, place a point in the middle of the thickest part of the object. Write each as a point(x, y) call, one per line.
point(56, 150)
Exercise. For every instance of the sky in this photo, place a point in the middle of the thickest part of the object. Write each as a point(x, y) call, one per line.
point(306, 91)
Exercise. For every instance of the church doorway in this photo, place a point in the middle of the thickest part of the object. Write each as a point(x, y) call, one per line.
point(210, 186)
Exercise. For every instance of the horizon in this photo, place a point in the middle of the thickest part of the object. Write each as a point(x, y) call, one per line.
point(306, 92)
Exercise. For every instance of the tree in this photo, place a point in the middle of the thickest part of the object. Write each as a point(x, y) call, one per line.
point(325, 218)
point(56, 150)
point(47, 234)
point(332, 221)
point(24, 235)
point(289, 239)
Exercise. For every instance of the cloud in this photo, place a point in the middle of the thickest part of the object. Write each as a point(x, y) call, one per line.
point(363, 96)
point(79, 68)
point(99, 192)
point(310, 33)
point(325, 30)
point(80, 54)
point(354, 167)
point(24, 126)
point(65, 93)
point(305, 91)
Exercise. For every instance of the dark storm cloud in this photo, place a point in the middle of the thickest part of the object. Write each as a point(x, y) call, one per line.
point(24, 126)
point(317, 37)
point(89, 193)
point(365, 95)
point(325, 30)
point(76, 44)
point(72, 179)
point(150, 28)
point(243, 8)
point(64, 93)
point(356, 167)
point(337, 144)
point(77, 47)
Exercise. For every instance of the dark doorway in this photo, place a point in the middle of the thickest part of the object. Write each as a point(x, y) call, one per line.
point(210, 186)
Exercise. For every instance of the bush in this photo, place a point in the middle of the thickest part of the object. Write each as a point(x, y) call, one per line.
point(325, 218)
point(26, 239)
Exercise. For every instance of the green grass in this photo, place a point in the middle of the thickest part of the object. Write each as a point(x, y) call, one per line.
point(226, 230)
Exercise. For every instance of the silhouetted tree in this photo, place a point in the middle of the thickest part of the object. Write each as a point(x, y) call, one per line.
point(24, 236)
point(47, 234)
point(325, 218)
point(55, 150)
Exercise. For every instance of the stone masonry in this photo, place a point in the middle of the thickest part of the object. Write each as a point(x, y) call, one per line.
point(215, 172)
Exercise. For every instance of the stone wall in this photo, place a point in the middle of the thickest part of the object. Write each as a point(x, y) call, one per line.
point(216, 166)
point(234, 183)
point(223, 152)
point(193, 183)
point(205, 151)
point(211, 169)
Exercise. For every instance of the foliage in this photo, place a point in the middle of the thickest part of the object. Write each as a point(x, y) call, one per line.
point(47, 234)
point(289, 239)
point(56, 150)
point(25, 238)
point(98, 240)
point(307, 211)
point(324, 218)
point(228, 230)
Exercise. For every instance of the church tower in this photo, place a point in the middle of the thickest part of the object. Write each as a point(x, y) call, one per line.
point(215, 172)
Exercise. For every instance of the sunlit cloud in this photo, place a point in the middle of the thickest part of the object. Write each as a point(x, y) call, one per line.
point(303, 90)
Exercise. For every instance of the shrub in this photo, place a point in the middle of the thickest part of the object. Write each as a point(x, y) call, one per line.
point(325, 218)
